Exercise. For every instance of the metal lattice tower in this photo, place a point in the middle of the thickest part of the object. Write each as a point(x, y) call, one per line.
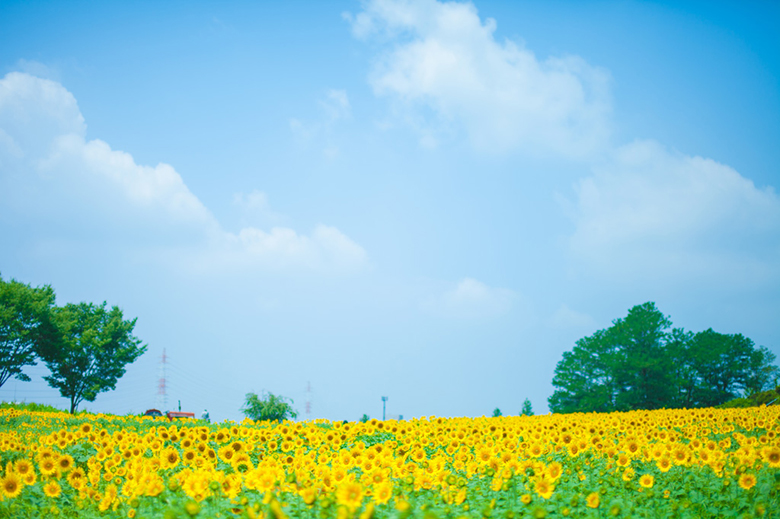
point(308, 400)
point(162, 384)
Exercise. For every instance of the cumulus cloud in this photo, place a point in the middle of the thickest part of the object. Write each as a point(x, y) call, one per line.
point(447, 61)
point(470, 299)
point(53, 177)
point(255, 209)
point(334, 107)
point(652, 212)
point(38, 69)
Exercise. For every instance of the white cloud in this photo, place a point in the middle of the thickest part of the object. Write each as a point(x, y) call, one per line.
point(51, 176)
point(33, 112)
point(470, 299)
point(281, 248)
point(254, 201)
point(446, 60)
point(652, 213)
point(255, 209)
point(38, 69)
point(336, 104)
point(335, 107)
point(565, 317)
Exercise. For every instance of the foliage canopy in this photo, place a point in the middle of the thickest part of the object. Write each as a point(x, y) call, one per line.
point(640, 362)
point(270, 407)
point(24, 316)
point(89, 353)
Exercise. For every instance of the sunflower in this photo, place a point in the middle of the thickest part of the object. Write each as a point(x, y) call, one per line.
point(350, 495)
point(265, 482)
point(339, 474)
point(65, 463)
point(593, 500)
point(23, 466)
point(647, 481)
point(664, 464)
point(30, 478)
point(377, 476)
point(188, 456)
point(536, 450)
point(77, 477)
point(747, 481)
point(632, 446)
point(383, 492)
point(545, 488)
point(554, 470)
point(680, 455)
point(231, 486)
point(52, 489)
point(11, 485)
point(772, 456)
point(226, 454)
point(419, 455)
point(309, 495)
point(241, 462)
point(47, 466)
point(169, 458)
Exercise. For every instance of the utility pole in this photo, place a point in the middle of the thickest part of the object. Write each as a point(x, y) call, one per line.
point(384, 404)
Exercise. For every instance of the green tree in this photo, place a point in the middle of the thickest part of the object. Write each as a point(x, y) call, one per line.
point(642, 369)
point(270, 407)
point(496, 412)
point(365, 418)
point(623, 367)
point(89, 353)
point(585, 378)
point(713, 368)
point(639, 363)
point(527, 409)
point(24, 322)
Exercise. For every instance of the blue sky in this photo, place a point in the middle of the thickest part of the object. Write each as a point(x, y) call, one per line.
point(425, 200)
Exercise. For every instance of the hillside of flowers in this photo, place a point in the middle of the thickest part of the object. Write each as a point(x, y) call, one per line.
point(667, 463)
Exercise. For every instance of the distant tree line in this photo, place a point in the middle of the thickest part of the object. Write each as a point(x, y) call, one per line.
point(85, 346)
point(641, 362)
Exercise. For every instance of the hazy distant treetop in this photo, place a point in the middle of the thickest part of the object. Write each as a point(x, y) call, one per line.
point(270, 407)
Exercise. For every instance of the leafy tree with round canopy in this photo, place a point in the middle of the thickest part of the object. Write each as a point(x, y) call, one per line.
point(89, 353)
point(641, 363)
point(271, 407)
point(24, 322)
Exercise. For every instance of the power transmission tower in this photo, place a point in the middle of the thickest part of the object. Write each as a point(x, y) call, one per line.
point(308, 400)
point(162, 384)
point(384, 405)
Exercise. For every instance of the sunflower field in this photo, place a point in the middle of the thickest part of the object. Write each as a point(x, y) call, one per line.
point(667, 463)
